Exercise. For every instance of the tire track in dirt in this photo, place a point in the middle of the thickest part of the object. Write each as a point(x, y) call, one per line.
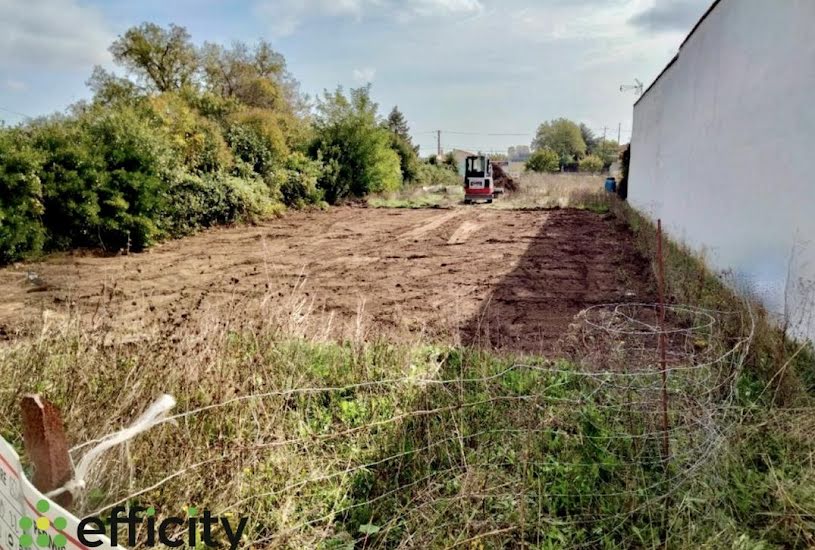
point(436, 274)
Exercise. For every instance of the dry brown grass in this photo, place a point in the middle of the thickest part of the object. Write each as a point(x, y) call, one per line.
point(535, 191)
point(553, 191)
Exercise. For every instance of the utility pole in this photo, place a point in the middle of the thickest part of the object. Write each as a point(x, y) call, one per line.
point(604, 132)
point(619, 132)
point(438, 142)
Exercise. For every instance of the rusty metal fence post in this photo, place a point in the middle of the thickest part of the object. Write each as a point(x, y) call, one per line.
point(46, 446)
point(663, 361)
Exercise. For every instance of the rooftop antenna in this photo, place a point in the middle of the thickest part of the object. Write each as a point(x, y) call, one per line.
point(637, 87)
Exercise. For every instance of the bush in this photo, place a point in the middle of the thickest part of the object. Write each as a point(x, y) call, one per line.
point(297, 181)
point(591, 163)
point(196, 202)
point(136, 156)
point(543, 160)
point(256, 138)
point(354, 148)
point(21, 230)
point(434, 174)
point(196, 140)
point(72, 175)
point(409, 163)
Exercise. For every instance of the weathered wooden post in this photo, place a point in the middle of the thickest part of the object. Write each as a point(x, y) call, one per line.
point(46, 446)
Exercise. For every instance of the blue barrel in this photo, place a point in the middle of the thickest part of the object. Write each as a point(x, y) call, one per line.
point(611, 184)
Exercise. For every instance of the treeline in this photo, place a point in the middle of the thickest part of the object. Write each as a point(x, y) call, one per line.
point(564, 145)
point(190, 137)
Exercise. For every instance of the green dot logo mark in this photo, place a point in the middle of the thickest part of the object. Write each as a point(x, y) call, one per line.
point(42, 524)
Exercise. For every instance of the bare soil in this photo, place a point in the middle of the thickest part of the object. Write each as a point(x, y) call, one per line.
point(510, 280)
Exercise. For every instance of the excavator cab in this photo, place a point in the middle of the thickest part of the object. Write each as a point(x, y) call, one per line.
point(478, 181)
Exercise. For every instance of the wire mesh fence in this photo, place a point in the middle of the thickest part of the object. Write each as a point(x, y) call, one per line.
point(465, 449)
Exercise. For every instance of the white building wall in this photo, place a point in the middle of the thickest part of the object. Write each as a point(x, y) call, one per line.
point(723, 150)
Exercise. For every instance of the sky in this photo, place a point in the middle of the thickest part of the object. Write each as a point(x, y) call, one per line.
point(484, 72)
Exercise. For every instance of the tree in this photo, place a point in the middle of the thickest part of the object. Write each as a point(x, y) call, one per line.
point(162, 59)
point(589, 138)
point(135, 158)
point(608, 150)
point(72, 174)
point(408, 159)
point(563, 137)
point(591, 163)
point(21, 206)
point(108, 88)
point(256, 77)
point(543, 160)
point(354, 148)
point(257, 138)
point(402, 144)
point(197, 140)
point(519, 153)
point(398, 125)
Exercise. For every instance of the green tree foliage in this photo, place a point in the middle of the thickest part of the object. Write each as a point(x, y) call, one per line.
point(197, 201)
point(397, 124)
point(591, 163)
point(563, 137)
point(450, 162)
point(608, 151)
point(543, 160)
point(109, 88)
point(408, 159)
point(135, 156)
point(72, 175)
point(188, 138)
point(257, 138)
point(355, 148)
point(589, 138)
point(402, 143)
point(298, 181)
point(197, 141)
point(21, 201)
point(435, 174)
point(161, 59)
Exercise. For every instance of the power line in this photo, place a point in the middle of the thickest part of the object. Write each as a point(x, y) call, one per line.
point(458, 133)
point(18, 113)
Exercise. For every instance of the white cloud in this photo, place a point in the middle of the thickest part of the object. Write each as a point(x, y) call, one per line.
point(52, 33)
point(13, 85)
point(286, 16)
point(670, 15)
point(364, 75)
point(435, 8)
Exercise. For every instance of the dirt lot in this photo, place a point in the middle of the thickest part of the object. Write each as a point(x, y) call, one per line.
point(509, 279)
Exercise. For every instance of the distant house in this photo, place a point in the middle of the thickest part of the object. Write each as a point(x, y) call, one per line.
point(461, 156)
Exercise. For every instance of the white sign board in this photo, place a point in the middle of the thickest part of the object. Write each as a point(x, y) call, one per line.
point(19, 499)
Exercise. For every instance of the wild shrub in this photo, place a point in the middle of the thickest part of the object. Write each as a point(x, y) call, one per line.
point(196, 202)
point(72, 175)
point(354, 147)
point(21, 201)
point(256, 138)
point(297, 181)
point(591, 163)
point(409, 163)
point(543, 160)
point(434, 174)
point(135, 158)
point(196, 140)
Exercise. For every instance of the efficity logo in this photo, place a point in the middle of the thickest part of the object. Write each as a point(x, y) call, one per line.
point(213, 532)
